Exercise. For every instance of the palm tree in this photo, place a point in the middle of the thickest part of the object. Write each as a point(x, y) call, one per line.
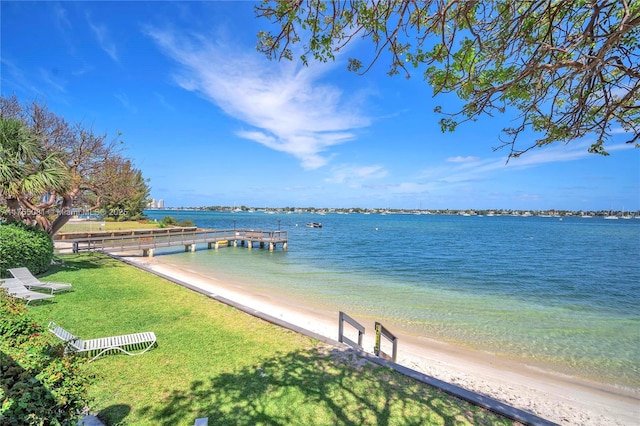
point(30, 178)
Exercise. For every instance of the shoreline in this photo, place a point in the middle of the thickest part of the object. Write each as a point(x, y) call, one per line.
point(562, 400)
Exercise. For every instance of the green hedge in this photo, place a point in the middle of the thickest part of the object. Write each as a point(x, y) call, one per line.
point(22, 245)
point(38, 384)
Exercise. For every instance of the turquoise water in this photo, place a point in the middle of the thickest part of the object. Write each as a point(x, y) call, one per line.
point(561, 295)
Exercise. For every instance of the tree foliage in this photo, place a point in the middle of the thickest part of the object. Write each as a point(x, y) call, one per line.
point(39, 385)
point(23, 245)
point(27, 169)
point(124, 190)
point(49, 167)
point(570, 67)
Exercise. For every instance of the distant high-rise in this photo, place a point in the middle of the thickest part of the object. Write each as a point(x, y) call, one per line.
point(155, 204)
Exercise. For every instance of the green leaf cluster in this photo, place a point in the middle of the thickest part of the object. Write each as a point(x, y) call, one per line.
point(125, 192)
point(567, 68)
point(24, 246)
point(170, 221)
point(38, 384)
point(48, 168)
point(25, 167)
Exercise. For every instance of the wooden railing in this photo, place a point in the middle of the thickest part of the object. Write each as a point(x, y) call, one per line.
point(143, 241)
point(70, 236)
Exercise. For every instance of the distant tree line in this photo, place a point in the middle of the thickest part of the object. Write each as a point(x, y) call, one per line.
point(379, 210)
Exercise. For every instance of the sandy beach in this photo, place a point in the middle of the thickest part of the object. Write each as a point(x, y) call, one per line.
point(562, 400)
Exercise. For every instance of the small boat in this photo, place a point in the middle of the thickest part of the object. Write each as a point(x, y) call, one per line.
point(314, 225)
point(611, 216)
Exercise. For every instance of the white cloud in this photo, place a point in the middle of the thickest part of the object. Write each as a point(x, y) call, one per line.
point(51, 79)
point(104, 40)
point(478, 168)
point(82, 71)
point(355, 175)
point(286, 105)
point(459, 159)
point(409, 188)
point(620, 131)
point(455, 173)
point(161, 99)
point(124, 100)
point(620, 147)
point(14, 75)
point(41, 82)
point(60, 18)
point(475, 168)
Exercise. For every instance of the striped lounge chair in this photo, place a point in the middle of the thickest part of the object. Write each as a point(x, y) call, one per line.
point(32, 283)
point(130, 344)
point(15, 288)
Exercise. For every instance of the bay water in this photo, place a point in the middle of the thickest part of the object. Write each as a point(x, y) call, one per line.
point(559, 294)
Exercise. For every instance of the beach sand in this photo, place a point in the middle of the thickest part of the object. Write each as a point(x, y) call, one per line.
point(563, 400)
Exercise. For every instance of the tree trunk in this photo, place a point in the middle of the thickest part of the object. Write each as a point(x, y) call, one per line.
point(64, 215)
point(14, 208)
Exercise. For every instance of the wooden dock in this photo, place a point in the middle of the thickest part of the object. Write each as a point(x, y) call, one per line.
point(150, 240)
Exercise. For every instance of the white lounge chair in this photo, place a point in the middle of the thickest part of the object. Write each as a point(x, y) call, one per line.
point(15, 288)
point(31, 282)
point(130, 344)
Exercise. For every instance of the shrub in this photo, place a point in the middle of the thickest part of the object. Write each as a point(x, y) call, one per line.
point(169, 221)
point(38, 384)
point(22, 245)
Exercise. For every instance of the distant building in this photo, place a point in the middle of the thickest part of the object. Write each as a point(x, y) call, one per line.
point(155, 204)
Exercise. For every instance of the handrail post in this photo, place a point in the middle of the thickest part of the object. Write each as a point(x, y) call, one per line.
point(342, 317)
point(381, 331)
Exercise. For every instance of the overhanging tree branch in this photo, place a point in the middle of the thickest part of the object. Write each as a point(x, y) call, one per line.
point(569, 67)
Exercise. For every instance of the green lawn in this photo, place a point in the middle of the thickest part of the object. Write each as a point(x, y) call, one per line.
point(97, 225)
point(215, 361)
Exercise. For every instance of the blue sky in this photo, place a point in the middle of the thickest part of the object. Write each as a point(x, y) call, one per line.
point(210, 121)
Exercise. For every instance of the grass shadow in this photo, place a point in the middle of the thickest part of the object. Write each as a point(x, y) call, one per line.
point(92, 264)
point(115, 414)
point(217, 362)
point(317, 386)
point(70, 263)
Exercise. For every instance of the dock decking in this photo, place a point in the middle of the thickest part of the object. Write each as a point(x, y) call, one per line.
point(148, 242)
